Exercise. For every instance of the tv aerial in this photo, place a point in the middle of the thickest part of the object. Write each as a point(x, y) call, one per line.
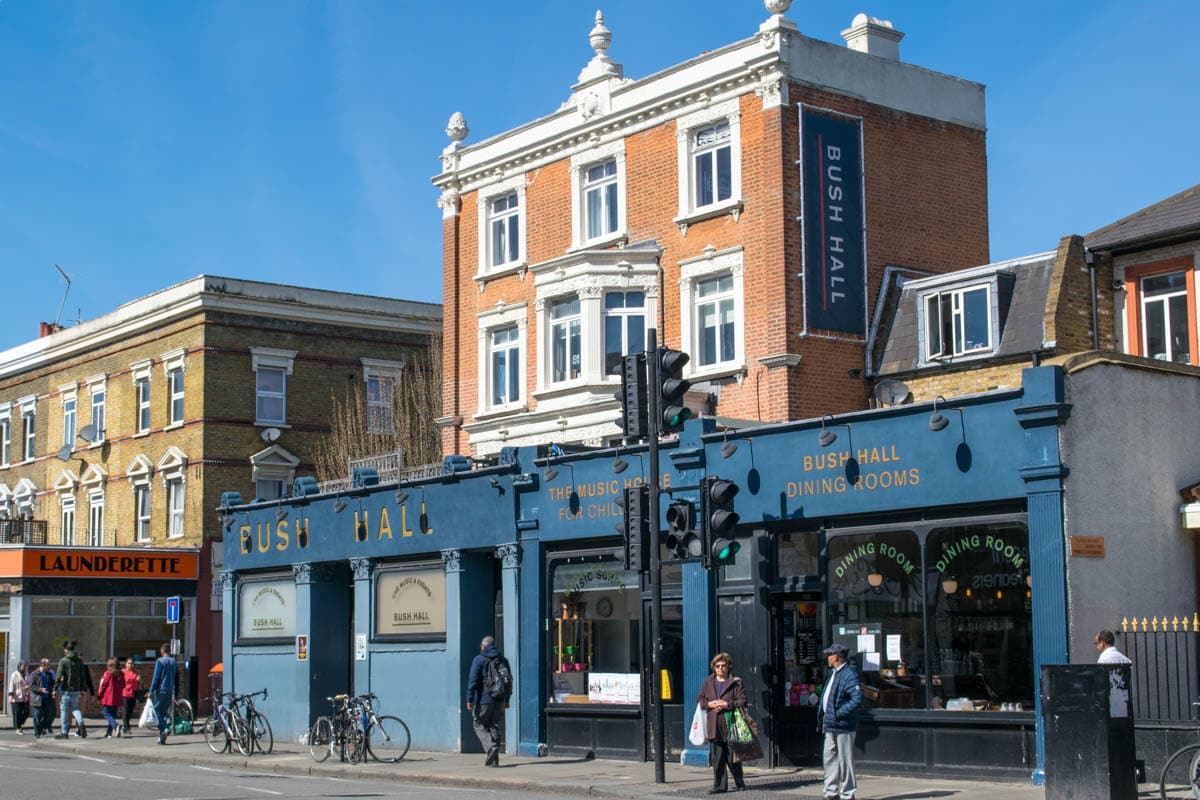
point(66, 278)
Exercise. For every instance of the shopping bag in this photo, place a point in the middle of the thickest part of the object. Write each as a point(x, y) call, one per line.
point(149, 719)
point(737, 729)
point(746, 751)
point(182, 726)
point(698, 735)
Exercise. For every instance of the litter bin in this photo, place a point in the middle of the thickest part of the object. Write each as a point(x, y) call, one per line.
point(1087, 722)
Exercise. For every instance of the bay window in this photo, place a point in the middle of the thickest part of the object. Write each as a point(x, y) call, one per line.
point(565, 340)
point(624, 327)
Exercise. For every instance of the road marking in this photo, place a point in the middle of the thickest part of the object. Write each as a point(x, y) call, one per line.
point(106, 775)
point(89, 758)
point(255, 789)
point(207, 769)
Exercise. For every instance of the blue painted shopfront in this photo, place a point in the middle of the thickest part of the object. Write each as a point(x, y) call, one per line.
point(499, 534)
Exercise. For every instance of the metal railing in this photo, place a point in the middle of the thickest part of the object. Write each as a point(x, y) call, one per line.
point(394, 475)
point(1166, 665)
point(22, 531)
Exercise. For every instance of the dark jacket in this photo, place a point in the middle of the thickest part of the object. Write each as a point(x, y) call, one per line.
point(73, 675)
point(477, 694)
point(845, 700)
point(734, 694)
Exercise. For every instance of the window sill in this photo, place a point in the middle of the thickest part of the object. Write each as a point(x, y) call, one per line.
point(715, 372)
point(501, 272)
point(500, 411)
point(964, 358)
point(173, 426)
point(574, 387)
point(617, 237)
point(262, 423)
point(731, 207)
point(140, 435)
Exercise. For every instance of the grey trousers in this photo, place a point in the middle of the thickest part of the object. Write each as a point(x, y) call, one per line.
point(487, 726)
point(839, 766)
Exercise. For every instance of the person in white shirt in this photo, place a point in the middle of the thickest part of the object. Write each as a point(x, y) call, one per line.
point(1109, 654)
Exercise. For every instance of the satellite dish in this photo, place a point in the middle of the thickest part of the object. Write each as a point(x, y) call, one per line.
point(270, 435)
point(64, 454)
point(892, 393)
point(88, 433)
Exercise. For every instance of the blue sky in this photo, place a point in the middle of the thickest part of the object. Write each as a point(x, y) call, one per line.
point(143, 143)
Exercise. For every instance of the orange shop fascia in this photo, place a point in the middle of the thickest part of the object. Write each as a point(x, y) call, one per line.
point(68, 562)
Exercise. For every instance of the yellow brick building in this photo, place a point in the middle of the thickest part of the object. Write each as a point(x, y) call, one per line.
point(118, 436)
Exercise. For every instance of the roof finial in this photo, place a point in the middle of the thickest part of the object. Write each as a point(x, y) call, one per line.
point(777, 6)
point(600, 37)
point(457, 128)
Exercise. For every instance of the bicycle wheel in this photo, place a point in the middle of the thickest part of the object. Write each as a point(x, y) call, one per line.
point(214, 735)
point(1181, 774)
point(260, 733)
point(183, 710)
point(320, 739)
point(388, 739)
point(355, 741)
point(240, 732)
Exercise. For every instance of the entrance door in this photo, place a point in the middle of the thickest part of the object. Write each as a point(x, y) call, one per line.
point(798, 677)
point(671, 681)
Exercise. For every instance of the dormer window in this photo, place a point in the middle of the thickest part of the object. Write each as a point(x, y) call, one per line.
point(958, 322)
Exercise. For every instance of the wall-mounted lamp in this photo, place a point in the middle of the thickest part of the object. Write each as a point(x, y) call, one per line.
point(949, 585)
point(827, 436)
point(728, 448)
point(281, 513)
point(495, 482)
point(875, 580)
point(938, 421)
point(227, 521)
point(339, 505)
point(550, 474)
point(401, 495)
point(619, 465)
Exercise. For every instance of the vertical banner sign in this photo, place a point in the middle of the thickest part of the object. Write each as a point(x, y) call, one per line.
point(834, 261)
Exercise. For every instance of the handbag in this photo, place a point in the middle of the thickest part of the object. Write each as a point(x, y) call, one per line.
point(148, 718)
point(698, 735)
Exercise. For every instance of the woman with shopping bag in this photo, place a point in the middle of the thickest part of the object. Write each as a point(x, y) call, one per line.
point(722, 692)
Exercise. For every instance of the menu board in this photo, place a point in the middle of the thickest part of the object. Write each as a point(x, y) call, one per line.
point(615, 687)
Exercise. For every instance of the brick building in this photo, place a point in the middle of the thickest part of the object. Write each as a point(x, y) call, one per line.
point(118, 436)
point(745, 203)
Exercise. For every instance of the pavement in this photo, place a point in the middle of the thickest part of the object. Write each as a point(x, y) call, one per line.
point(557, 775)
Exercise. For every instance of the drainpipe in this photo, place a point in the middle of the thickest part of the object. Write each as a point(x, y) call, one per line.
point(1093, 261)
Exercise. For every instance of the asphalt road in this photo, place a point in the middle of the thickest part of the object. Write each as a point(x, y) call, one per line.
point(30, 774)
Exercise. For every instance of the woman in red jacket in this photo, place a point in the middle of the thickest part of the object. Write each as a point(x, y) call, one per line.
point(129, 695)
point(112, 687)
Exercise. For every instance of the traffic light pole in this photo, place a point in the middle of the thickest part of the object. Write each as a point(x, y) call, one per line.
point(652, 424)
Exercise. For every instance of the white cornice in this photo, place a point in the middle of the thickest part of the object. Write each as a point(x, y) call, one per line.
point(214, 293)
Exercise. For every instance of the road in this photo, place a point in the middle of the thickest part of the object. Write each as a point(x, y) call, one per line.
point(27, 773)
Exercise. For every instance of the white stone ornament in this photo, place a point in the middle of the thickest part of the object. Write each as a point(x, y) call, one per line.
point(777, 6)
point(600, 37)
point(457, 128)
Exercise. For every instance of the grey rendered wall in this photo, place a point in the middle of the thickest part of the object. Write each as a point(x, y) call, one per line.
point(1131, 444)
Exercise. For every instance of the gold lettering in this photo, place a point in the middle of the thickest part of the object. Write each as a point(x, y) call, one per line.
point(385, 525)
point(244, 539)
point(262, 534)
point(282, 540)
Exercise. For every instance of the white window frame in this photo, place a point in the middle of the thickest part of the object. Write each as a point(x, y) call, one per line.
point(489, 321)
point(274, 463)
point(566, 323)
point(1164, 299)
point(141, 378)
point(5, 434)
point(686, 128)
point(143, 512)
point(29, 429)
point(6, 501)
point(694, 271)
point(951, 300)
point(624, 315)
point(613, 151)
point(486, 196)
point(70, 416)
point(382, 372)
point(95, 529)
point(176, 496)
point(269, 358)
point(277, 484)
point(98, 387)
point(175, 362)
point(66, 519)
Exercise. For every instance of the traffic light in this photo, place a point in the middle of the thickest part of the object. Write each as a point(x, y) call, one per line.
point(672, 413)
point(635, 529)
point(719, 520)
point(633, 396)
point(682, 539)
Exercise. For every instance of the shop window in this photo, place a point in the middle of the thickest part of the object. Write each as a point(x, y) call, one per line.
point(980, 625)
point(101, 626)
point(595, 644)
point(876, 609)
point(410, 603)
point(798, 555)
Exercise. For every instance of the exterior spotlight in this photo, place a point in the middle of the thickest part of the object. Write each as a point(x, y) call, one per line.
point(401, 495)
point(227, 522)
point(619, 465)
point(551, 474)
point(938, 420)
point(495, 482)
point(281, 514)
point(728, 448)
point(827, 436)
point(875, 580)
point(949, 585)
point(339, 506)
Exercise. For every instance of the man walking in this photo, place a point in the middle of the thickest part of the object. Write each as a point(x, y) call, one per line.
point(73, 678)
point(162, 690)
point(837, 718)
point(489, 686)
point(1109, 654)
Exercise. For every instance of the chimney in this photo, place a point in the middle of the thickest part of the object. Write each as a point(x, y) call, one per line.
point(47, 328)
point(873, 36)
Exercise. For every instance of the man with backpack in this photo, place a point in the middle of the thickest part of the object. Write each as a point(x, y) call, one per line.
point(489, 686)
point(73, 678)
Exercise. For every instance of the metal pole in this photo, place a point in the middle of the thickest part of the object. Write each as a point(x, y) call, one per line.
point(652, 427)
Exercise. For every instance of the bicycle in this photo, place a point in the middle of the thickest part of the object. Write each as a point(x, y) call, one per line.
point(226, 729)
point(1190, 787)
point(181, 709)
point(257, 724)
point(393, 737)
point(342, 729)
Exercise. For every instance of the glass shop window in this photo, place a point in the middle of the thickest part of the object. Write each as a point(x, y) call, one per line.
point(980, 625)
point(595, 610)
point(798, 555)
point(876, 608)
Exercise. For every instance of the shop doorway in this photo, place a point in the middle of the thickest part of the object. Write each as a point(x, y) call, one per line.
point(671, 680)
point(4, 670)
point(798, 677)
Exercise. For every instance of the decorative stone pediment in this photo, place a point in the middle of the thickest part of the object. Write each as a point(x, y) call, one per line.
point(66, 482)
point(173, 462)
point(94, 476)
point(274, 464)
point(140, 469)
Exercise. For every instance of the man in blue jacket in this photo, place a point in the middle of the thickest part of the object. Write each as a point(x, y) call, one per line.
point(837, 718)
point(162, 690)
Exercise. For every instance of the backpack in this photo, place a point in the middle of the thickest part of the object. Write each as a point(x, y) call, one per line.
point(498, 679)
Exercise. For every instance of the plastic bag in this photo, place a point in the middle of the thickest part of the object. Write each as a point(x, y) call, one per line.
point(698, 735)
point(737, 728)
point(148, 719)
point(182, 726)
